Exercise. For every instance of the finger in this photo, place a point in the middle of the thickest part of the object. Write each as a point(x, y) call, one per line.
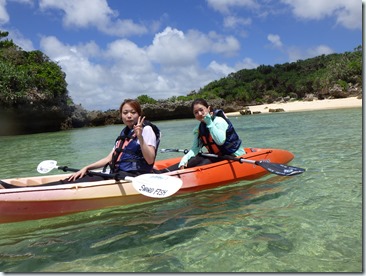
point(75, 176)
point(142, 120)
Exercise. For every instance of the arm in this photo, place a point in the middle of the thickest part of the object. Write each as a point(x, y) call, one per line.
point(148, 144)
point(193, 151)
point(147, 140)
point(217, 128)
point(98, 164)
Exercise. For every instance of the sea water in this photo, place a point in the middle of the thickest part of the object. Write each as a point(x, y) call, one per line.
point(306, 223)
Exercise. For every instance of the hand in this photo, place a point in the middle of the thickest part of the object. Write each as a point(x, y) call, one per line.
point(207, 119)
point(78, 174)
point(138, 127)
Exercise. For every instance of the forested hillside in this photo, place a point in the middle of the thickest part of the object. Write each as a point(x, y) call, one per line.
point(324, 76)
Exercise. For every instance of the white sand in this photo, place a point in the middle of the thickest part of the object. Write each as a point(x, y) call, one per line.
point(296, 106)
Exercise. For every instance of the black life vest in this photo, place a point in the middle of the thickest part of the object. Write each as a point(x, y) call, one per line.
point(232, 142)
point(128, 156)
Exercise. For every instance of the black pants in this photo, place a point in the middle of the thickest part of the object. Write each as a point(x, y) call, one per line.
point(86, 178)
point(198, 160)
point(91, 178)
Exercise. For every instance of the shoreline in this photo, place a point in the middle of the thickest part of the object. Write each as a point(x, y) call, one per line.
point(298, 106)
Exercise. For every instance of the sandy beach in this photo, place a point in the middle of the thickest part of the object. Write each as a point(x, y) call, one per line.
point(297, 106)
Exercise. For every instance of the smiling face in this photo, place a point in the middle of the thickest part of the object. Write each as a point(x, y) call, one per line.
point(129, 115)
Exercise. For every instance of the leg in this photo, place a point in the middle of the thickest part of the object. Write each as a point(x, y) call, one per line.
point(86, 178)
point(200, 161)
point(193, 162)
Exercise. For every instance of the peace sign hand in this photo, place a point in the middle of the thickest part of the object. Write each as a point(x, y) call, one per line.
point(138, 127)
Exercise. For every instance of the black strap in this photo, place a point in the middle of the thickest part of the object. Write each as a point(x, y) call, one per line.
point(8, 186)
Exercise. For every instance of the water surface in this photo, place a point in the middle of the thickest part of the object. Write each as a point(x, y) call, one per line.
point(306, 223)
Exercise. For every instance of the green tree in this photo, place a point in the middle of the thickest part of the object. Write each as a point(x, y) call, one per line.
point(144, 99)
point(31, 86)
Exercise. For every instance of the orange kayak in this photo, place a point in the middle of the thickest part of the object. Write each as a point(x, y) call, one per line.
point(33, 201)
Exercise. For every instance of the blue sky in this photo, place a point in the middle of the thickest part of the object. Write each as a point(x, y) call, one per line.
point(116, 49)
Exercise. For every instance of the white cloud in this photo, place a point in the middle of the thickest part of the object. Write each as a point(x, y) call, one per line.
point(95, 13)
point(4, 16)
point(224, 6)
point(234, 21)
point(348, 13)
point(29, 2)
point(167, 67)
point(86, 81)
point(122, 28)
point(220, 69)
point(172, 47)
point(223, 70)
point(247, 63)
point(351, 15)
point(295, 53)
point(319, 50)
point(128, 54)
point(275, 40)
point(227, 45)
point(19, 39)
point(81, 13)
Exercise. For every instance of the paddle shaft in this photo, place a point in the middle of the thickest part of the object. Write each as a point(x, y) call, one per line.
point(229, 157)
point(279, 169)
point(225, 157)
point(185, 151)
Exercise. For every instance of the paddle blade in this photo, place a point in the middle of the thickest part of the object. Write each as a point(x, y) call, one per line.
point(280, 169)
point(46, 166)
point(156, 185)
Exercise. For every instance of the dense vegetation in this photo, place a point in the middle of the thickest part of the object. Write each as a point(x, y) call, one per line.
point(33, 91)
point(28, 76)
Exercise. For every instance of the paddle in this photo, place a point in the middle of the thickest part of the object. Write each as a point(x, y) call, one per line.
point(275, 168)
point(151, 185)
point(174, 150)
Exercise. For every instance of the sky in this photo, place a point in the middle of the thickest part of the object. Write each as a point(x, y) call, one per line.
point(116, 49)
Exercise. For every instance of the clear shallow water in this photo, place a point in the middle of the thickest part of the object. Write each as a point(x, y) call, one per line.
point(306, 223)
